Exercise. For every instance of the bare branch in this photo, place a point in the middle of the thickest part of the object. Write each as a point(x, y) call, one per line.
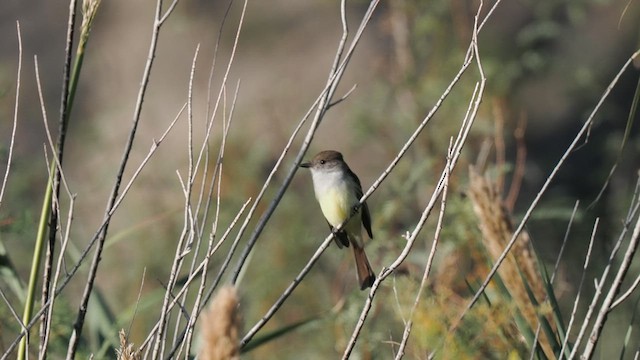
point(188, 230)
point(587, 258)
point(605, 308)
point(201, 298)
point(15, 114)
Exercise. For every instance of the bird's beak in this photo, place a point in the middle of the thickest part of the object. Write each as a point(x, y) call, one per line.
point(305, 165)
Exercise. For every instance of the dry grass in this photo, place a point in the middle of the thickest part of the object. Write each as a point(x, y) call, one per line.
point(126, 350)
point(497, 229)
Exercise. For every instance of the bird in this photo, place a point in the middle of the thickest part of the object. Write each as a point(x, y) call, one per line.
point(338, 191)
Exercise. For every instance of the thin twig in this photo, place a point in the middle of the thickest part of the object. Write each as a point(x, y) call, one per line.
point(285, 294)
point(605, 308)
point(15, 115)
point(167, 13)
point(135, 309)
point(343, 98)
point(155, 145)
point(625, 137)
point(626, 294)
point(188, 230)
point(565, 240)
point(587, 258)
point(200, 299)
point(633, 209)
point(12, 310)
point(432, 253)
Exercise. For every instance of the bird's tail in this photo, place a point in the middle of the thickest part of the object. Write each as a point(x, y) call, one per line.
point(366, 277)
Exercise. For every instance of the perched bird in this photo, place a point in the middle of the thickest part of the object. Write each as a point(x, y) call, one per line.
point(338, 191)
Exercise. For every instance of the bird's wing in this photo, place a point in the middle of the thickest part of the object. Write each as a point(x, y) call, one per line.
point(366, 215)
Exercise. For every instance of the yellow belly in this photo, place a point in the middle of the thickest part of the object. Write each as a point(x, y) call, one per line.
point(337, 205)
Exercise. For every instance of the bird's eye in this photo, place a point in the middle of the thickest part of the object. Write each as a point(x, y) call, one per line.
point(321, 162)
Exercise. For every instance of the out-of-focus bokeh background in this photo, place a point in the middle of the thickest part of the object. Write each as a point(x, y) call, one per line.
point(547, 64)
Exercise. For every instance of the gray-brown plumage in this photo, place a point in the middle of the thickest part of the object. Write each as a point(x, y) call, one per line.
point(338, 190)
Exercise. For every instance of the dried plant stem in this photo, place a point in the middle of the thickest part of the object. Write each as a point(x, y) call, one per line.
point(15, 114)
point(12, 310)
point(627, 293)
point(188, 230)
point(605, 308)
point(184, 338)
point(587, 258)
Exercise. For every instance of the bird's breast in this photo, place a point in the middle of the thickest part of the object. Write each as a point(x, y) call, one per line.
point(337, 203)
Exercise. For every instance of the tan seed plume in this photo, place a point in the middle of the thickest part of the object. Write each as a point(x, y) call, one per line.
point(219, 329)
point(126, 350)
point(497, 230)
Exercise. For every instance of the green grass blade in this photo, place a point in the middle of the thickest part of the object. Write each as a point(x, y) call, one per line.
point(258, 341)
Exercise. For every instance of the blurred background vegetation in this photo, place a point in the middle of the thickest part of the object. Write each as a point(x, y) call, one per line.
point(547, 64)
